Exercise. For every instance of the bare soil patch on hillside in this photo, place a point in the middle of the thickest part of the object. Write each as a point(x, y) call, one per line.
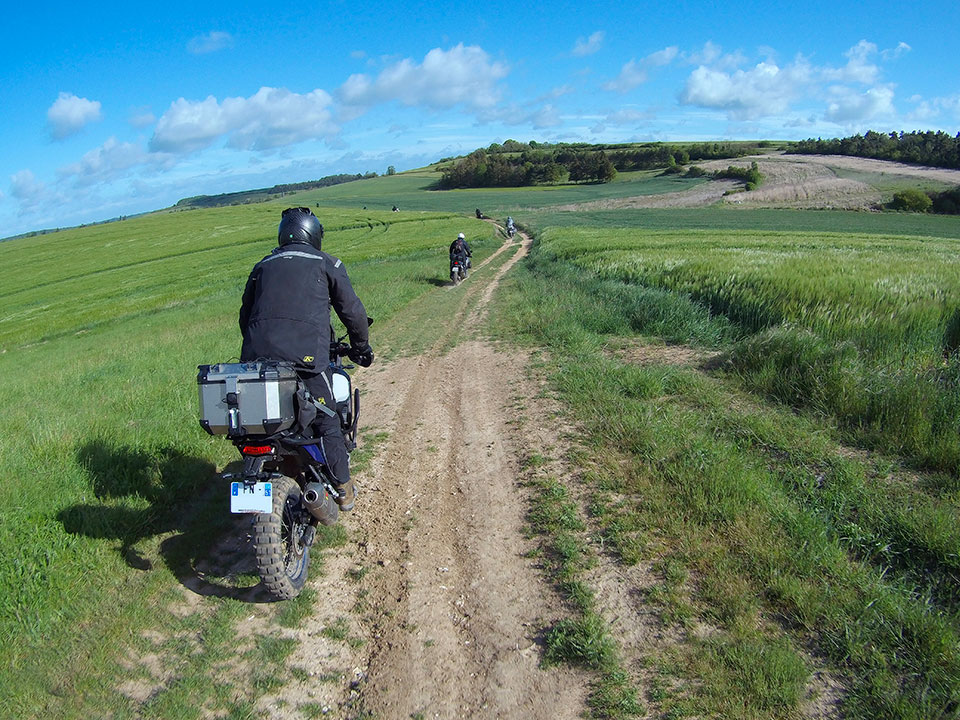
point(700, 196)
point(790, 181)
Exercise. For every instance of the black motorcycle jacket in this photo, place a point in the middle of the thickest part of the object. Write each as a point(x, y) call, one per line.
point(459, 248)
point(285, 313)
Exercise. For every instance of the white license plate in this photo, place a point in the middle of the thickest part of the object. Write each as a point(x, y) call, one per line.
point(257, 498)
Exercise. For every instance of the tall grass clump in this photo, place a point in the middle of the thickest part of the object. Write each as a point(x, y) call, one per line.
point(907, 409)
point(862, 328)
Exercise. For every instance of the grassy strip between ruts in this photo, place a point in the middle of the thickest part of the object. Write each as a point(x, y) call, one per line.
point(780, 560)
point(585, 639)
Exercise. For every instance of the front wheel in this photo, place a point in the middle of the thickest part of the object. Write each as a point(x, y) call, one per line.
point(283, 558)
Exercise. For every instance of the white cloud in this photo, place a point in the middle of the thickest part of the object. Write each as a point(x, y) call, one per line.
point(762, 90)
point(928, 110)
point(712, 55)
point(896, 52)
point(107, 162)
point(444, 79)
point(557, 92)
point(635, 72)
point(590, 45)
point(31, 194)
point(69, 114)
point(272, 118)
point(211, 42)
point(769, 89)
point(623, 118)
point(859, 68)
point(189, 126)
point(545, 117)
point(849, 107)
point(535, 114)
point(627, 116)
point(25, 187)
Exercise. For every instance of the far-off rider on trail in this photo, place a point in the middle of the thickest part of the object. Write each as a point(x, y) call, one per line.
point(459, 250)
point(285, 315)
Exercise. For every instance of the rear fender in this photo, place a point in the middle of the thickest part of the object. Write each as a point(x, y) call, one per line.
point(253, 465)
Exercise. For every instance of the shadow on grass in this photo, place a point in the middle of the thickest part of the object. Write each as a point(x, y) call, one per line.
point(144, 494)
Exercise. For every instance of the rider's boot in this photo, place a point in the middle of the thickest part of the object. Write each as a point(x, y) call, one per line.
point(346, 496)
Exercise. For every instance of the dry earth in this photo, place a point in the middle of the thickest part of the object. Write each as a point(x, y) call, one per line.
point(790, 181)
point(444, 605)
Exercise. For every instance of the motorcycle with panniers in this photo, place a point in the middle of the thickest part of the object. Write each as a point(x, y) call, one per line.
point(265, 410)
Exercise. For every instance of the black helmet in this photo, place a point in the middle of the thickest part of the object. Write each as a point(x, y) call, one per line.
point(299, 225)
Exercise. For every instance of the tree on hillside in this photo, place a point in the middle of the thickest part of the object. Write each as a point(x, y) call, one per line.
point(515, 164)
point(911, 200)
point(605, 171)
point(937, 149)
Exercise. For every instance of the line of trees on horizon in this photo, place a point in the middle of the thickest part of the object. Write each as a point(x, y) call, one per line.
point(935, 149)
point(516, 164)
point(251, 196)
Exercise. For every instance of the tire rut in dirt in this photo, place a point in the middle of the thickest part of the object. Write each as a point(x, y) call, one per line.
point(459, 603)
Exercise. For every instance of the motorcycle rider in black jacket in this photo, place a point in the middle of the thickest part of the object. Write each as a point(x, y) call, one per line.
point(285, 315)
point(460, 250)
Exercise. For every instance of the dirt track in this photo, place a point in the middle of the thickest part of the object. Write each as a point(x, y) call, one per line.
point(437, 582)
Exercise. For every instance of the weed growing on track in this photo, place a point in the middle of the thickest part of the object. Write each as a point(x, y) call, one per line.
point(585, 639)
point(775, 554)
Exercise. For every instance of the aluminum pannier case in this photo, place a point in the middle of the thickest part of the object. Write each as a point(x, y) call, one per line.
point(253, 398)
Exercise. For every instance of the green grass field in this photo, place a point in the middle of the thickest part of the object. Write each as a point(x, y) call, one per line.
point(413, 191)
point(796, 498)
point(107, 473)
point(760, 526)
point(864, 328)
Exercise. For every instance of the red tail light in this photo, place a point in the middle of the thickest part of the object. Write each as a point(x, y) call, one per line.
point(256, 450)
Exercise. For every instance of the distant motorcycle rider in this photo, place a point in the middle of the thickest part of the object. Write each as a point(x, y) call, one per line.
point(460, 250)
point(285, 315)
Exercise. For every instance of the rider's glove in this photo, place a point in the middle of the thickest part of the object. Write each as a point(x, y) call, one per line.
point(362, 355)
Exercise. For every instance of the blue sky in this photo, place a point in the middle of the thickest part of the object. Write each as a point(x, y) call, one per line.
point(113, 109)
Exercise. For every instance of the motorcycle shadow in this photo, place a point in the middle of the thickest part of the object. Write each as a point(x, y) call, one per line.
point(143, 495)
point(435, 281)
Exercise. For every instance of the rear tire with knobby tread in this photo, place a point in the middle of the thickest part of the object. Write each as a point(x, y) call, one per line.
point(282, 559)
